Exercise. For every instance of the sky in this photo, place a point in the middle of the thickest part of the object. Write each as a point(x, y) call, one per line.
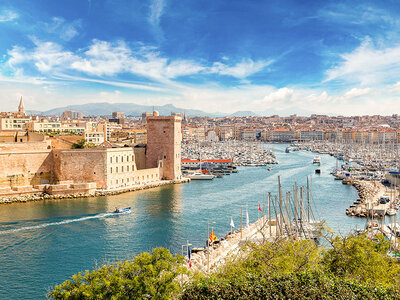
point(271, 56)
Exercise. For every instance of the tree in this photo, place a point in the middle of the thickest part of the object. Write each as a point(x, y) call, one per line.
point(362, 259)
point(79, 144)
point(148, 276)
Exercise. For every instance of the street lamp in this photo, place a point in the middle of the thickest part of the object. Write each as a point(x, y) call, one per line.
point(241, 219)
point(208, 245)
point(183, 246)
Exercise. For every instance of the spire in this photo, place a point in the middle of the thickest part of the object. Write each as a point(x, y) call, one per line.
point(21, 107)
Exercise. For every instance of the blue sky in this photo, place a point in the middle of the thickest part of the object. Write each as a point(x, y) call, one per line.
point(333, 57)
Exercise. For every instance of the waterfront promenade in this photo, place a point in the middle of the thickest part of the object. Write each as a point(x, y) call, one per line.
point(54, 239)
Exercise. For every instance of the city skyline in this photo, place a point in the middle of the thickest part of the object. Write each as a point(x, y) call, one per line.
point(279, 57)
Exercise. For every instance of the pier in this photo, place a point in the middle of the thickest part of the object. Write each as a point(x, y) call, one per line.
point(289, 217)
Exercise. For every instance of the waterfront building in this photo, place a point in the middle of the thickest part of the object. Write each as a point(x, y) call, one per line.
point(164, 145)
point(36, 165)
point(311, 135)
point(248, 134)
point(280, 135)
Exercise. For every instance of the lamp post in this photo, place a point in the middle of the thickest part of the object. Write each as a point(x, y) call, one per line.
point(241, 220)
point(183, 246)
point(208, 245)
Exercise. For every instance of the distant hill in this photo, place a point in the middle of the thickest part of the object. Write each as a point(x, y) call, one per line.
point(130, 109)
point(243, 113)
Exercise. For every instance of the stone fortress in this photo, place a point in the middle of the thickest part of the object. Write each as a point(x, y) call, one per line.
point(29, 164)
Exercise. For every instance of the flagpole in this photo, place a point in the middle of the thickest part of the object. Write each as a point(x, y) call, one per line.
point(208, 245)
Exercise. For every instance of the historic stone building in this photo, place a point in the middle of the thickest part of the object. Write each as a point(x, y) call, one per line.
point(36, 166)
point(164, 144)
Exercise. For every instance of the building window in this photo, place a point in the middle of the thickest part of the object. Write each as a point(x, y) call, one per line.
point(165, 157)
point(127, 168)
point(111, 170)
point(122, 159)
point(116, 170)
point(116, 159)
point(111, 159)
point(122, 169)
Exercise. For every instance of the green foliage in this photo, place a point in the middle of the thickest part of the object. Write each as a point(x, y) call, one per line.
point(79, 144)
point(148, 276)
point(355, 267)
point(299, 285)
point(284, 256)
point(359, 258)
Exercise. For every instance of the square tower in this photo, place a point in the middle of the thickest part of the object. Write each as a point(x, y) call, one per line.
point(164, 144)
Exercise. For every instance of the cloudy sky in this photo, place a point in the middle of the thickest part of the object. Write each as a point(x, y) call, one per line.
point(271, 56)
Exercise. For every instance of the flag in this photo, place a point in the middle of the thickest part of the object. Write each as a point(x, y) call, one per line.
point(189, 254)
point(247, 218)
point(213, 237)
point(232, 224)
point(259, 207)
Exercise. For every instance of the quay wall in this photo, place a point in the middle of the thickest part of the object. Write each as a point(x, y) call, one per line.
point(88, 193)
point(140, 158)
point(25, 168)
point(80, 166)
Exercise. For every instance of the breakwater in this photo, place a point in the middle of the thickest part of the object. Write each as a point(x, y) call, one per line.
point(98, 193)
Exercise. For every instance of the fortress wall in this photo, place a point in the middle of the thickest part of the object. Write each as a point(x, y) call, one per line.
point(140, 158)
point(26, 168)
point(81, 165)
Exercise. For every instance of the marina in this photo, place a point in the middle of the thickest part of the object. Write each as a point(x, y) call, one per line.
point(54, 239)
point(241, 153)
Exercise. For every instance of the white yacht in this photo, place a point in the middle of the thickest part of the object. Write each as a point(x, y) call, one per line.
point(200, 176)
point(317, 160)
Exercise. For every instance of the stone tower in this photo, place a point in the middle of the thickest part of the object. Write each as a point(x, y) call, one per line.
point(164, 144)
point(21, 107)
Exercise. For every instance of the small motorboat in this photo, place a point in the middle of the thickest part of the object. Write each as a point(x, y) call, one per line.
point(318, 171)
point(270, 168)
point(121, 211)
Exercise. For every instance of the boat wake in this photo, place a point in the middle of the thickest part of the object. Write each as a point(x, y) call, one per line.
point(97, 216)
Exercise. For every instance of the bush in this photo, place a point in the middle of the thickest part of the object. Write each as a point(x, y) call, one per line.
point(148, 276)
point(301, 285)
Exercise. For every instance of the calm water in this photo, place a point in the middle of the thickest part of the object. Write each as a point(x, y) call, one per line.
point(44, 243)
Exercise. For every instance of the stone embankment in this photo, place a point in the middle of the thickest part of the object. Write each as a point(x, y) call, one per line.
point(369, 193)
point(212, 257)
point(98, 193)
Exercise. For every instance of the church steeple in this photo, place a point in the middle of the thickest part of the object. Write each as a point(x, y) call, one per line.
point(21, 107)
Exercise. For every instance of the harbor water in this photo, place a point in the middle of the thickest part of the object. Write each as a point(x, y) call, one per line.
point(44, 243)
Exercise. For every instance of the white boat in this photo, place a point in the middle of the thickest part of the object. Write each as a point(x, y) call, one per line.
point(200, 176)
point(317, 160)
point(391, 212)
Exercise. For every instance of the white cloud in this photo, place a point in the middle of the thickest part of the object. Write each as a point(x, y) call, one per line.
point(356, 92)
point(242, 69)
point(156, 11)
point(110, 59)
point(64, 29)
point(47, 57)
point(367, 65)
point(8, 15)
